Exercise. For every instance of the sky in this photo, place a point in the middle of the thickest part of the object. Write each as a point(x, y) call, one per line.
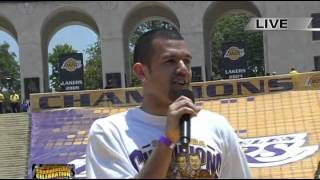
point(79, 37)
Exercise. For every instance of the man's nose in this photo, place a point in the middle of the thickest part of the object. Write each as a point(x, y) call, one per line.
point(183, 68)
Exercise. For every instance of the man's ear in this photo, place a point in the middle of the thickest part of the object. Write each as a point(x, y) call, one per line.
point(140, 71)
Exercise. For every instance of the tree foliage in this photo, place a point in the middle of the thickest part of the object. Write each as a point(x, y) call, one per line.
point(231, 28)
point(58, 51)
point(9, 69)
point(93, 68)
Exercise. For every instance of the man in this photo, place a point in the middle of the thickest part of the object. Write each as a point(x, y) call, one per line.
point(109, 84)
point(14, 101)
point(195, 165)
point(25, 105)
point(120, 146)
point(317, 173)
point(1, 101)
point(293, 71)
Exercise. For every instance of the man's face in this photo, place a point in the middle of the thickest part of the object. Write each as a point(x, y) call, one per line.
point(170, 69)
point(195, 161)
point(181, 162)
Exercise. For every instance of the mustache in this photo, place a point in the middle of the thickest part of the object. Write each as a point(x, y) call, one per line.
point(174, 79)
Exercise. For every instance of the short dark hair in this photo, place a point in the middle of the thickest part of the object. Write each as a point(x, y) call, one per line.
point(143, 49)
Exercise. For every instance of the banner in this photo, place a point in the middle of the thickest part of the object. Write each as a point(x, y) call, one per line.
point(234, 63)
point(202, 91)
point(71, 72)
point(61, 137)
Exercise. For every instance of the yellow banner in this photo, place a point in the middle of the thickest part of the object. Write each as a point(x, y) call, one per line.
point(202, 91)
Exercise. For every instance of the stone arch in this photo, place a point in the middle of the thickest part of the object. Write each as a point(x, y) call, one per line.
point(7, 26)
point(142, 13)
point(57, 20)
point(216, 10)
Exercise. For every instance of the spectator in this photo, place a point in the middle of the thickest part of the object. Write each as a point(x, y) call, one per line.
point(1, 101)
point(109, 84)
point(14, 101)
point(25, 105)
point(293, 71)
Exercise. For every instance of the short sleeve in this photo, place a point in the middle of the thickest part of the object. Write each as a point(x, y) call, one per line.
point(234, 164)
point(105, 156)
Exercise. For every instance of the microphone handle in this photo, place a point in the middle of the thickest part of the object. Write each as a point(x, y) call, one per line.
point(185, 132)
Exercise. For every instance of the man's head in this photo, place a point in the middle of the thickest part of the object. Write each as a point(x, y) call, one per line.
point(162, 62)
point(181, 162)
point(195, 161)
point(144, 50)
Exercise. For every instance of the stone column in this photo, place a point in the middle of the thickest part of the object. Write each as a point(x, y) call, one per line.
point(31, 62)
point(195, 43)
point(112, 56)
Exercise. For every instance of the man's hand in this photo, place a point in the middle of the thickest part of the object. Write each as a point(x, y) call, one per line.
point(177, 109)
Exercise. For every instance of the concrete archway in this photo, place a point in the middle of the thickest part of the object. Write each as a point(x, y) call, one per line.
point(7, 26)
point(54, 22)
point(216, 10)
point(7, 78)
point(144, 12)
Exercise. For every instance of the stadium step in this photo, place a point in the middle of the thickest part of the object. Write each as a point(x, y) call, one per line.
point(14, 148)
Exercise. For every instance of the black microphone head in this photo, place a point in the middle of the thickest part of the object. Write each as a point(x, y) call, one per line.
point(187, 93)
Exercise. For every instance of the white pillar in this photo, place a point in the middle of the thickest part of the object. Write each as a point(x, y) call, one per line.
point(195, 43)
point(112, 56)
point(31, 58)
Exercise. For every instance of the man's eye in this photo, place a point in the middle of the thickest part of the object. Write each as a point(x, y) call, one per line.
point(187, 62)
point(170, 61)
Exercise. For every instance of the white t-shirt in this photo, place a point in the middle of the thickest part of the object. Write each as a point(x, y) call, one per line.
point(120, 144)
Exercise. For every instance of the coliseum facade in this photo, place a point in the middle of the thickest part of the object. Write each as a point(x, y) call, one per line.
point(33, 24)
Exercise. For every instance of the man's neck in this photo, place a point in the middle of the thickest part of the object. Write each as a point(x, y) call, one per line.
point(153, 105)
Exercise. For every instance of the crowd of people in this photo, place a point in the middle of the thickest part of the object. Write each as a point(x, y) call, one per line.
point(13, 104)
point(292, 71)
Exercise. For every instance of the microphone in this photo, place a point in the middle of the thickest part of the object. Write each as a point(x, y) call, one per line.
point(185, 124)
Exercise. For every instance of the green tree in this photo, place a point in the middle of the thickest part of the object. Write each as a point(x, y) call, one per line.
point(58, 51)
point(133, 37)
point(231, 28)
point(93, 68)
point(9, 69)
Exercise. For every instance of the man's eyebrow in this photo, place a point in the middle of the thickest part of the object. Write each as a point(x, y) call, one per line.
point(167, 56)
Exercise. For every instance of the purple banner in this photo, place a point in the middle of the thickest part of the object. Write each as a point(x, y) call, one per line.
point(60, 137)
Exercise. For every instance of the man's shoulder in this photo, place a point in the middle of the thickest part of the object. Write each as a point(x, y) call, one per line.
point(211, 115)
point(107, 125)
point(213, 120)
point(111, 119)
point(117, 119)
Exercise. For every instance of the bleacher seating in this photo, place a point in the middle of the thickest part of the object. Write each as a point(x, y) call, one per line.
point(14, 145)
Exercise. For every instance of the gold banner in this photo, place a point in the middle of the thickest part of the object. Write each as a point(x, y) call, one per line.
point(202, 91)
